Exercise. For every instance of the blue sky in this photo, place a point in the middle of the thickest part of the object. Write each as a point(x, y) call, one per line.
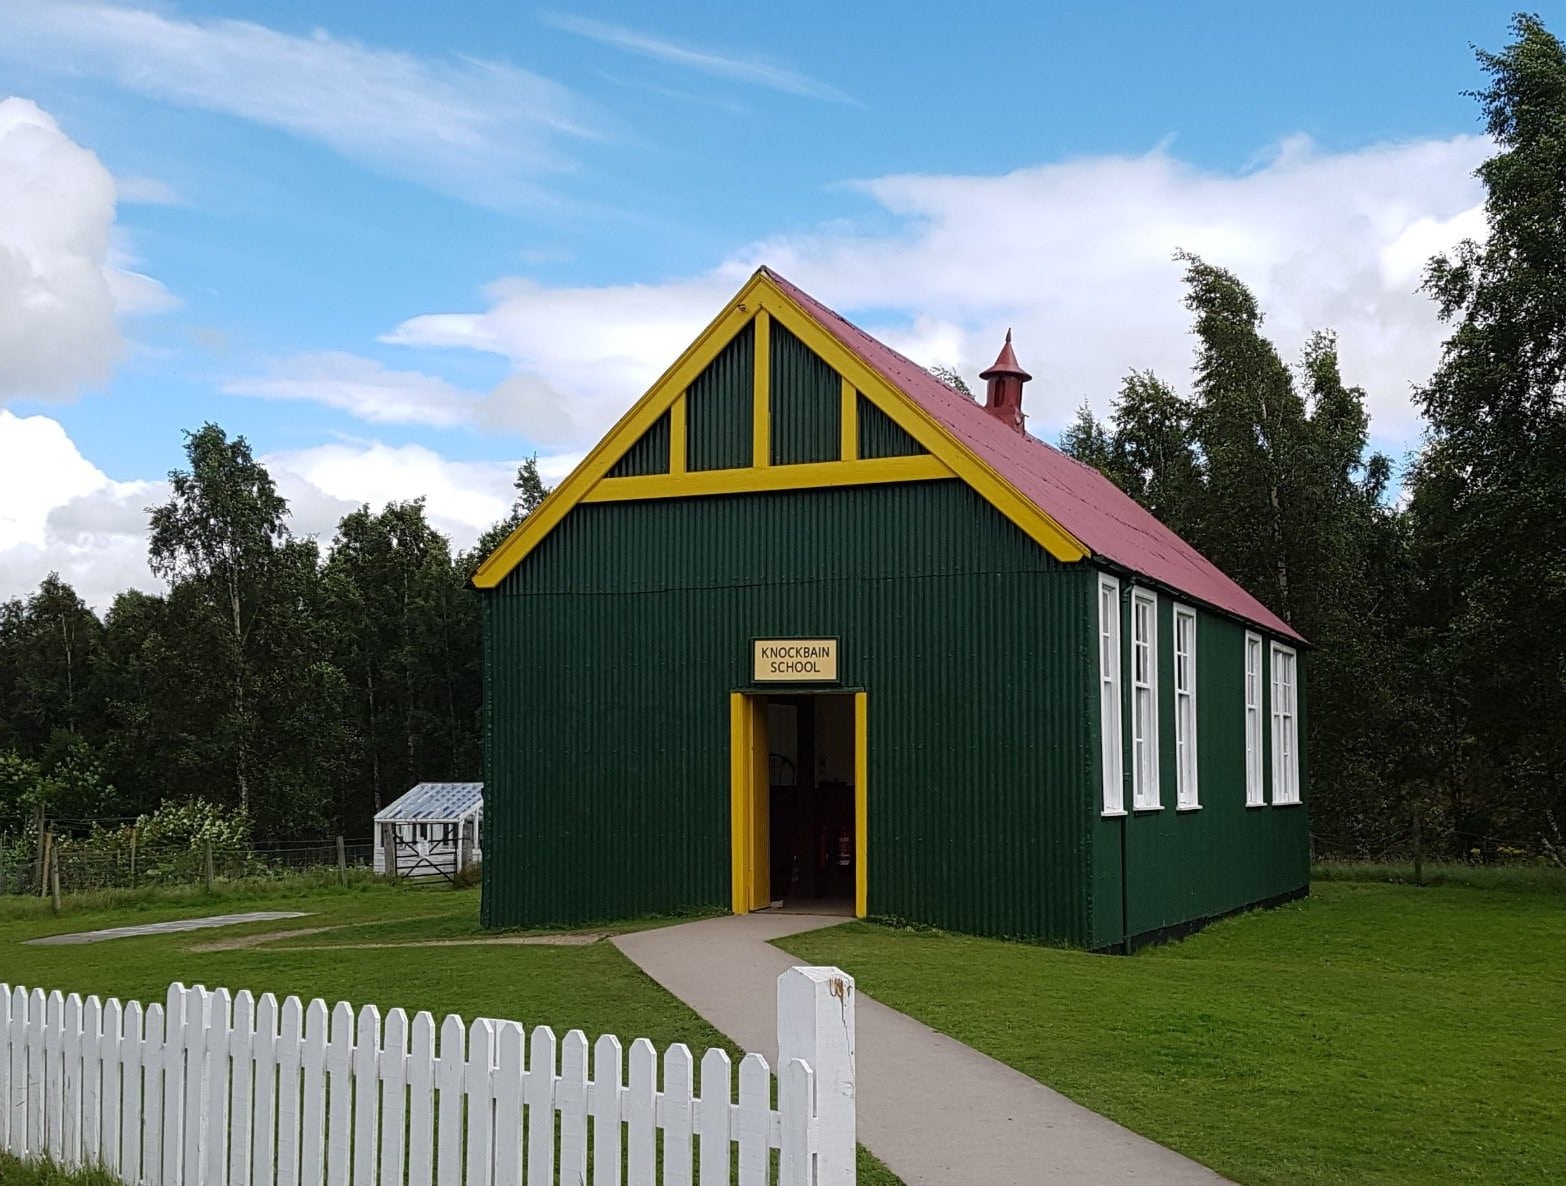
point(399, 246)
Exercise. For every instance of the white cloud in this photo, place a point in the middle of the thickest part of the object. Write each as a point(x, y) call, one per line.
point(478, 130)
point(1076, 256)
point(147, 191)
point(63, 281)
point(62, 513)
point(462, 498)
point(734, 67)
point(363, 388)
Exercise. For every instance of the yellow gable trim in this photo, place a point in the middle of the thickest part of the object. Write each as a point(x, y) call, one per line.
point(949, 456)
point(924, 428)
point(806, 476)
point(660, 397)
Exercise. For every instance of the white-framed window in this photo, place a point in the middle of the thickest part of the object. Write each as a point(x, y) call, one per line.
point(1285, 727)
point(1109, 696)
point(1255, 791)
point(1144, 701)
point(1186, 798)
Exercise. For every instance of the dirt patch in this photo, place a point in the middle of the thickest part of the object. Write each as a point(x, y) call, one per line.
point(570, 939)
point(239, 942)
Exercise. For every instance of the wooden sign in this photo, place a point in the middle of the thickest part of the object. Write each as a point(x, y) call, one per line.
point(795, 660)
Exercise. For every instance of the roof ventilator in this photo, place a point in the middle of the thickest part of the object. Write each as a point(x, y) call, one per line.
point(1003, 396)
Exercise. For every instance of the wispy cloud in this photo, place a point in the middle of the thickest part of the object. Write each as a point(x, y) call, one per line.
point(361, 387)
point(734, 67)
point(1084, 274)
point(483, 131)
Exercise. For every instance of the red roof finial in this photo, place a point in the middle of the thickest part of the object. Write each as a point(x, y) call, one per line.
point(1006, 363)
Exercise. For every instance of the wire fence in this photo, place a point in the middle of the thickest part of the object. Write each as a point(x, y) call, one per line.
point(48, 863)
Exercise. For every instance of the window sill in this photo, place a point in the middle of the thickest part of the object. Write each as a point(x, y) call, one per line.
point(1291, 803)
point(1190, 807)
point(1147, 810)
point(1254, 806)
point(1117, 814)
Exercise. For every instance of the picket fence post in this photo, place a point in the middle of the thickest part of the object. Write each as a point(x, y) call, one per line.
point(816, 1027)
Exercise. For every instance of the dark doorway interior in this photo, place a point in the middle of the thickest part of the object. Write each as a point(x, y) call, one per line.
point(811, 777)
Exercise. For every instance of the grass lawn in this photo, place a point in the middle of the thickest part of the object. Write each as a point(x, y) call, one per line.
point(1371, 1034)
point(593, 988)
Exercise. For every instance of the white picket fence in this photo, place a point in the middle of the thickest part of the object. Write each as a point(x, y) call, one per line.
point(214, 1089)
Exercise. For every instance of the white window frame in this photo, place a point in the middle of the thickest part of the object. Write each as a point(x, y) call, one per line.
point(1187, 797)
point(1145, 791)
point(1111, 715)
point(1284, 667)
point(1255, 673)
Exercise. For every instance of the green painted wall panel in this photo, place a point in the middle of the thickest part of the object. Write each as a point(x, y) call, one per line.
point(807, 400)
point(1181, 866)
point(880, 436)
point(718, 407)
point(649, 455)
point(612, 651)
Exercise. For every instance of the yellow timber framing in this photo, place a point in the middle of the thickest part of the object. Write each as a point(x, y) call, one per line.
point(848, 449)
point(677, 436)
point(762, 300)
point(761, 395)
point(861, 803)
point(750, 804)
point(777, 477)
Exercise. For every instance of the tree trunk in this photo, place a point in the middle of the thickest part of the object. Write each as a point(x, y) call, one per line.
point(242, 738)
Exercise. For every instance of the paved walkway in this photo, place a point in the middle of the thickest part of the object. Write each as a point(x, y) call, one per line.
point(935, 1111)
point(165, 928)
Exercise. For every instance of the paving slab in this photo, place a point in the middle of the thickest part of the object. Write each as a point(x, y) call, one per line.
point(934, 1110)
point(170, 927)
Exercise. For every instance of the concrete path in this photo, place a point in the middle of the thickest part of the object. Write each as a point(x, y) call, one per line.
point(166, 928)
point(935, 1111)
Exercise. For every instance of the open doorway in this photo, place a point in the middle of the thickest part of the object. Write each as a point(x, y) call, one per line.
point(799, 802)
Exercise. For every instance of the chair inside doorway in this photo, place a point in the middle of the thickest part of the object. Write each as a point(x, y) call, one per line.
point(810, 741)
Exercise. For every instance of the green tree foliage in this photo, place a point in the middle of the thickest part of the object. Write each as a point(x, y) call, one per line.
point(530, 494)
point(407, 642)
point(1265, 470)
point(216, 539)
point(1488, 528)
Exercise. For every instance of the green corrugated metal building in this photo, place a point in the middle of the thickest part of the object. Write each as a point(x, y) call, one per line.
point(809, 625)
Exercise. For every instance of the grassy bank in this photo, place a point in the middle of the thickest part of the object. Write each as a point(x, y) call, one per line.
point(1373, 1033)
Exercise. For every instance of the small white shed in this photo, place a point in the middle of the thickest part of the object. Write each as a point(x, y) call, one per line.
point(431, 831)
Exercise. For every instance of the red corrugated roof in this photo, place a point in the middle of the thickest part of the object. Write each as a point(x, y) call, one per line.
point(1084, 502)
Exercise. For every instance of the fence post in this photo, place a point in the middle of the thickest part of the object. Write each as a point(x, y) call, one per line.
point(210, 878)
point(816, 1024)
point(45, 844)
point(133, 858)
point(342, 863)
point(54, 876)
point(42, 838)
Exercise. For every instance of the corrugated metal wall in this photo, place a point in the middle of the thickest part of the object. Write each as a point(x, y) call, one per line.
point(807, 399)
point(718, 407)
point(612, 650)
point(879, 436)
point(649, 455)
point(1186, 865)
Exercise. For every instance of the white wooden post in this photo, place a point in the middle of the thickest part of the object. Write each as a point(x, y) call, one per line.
point(816, 1026)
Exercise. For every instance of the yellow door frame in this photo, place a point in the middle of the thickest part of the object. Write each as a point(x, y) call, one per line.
point(750, 878)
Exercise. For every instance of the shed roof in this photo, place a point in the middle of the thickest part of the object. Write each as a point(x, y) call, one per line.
point(435, 801)
point(1110, 522)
